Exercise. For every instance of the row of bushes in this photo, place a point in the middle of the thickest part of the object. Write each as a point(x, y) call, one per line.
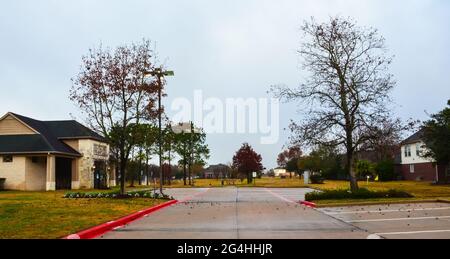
point(360, 194)
point(384, 170)
point(116, 195)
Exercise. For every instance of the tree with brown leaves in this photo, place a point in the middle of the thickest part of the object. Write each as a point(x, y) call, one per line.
point(113, 93)
point(247, 161)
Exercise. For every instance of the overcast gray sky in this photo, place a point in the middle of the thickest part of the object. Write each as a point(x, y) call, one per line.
point(227, 48)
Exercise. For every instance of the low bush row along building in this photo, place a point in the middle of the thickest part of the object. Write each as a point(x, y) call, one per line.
point(52, 155)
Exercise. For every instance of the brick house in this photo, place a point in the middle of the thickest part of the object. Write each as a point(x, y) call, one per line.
point(52, 155)
point(416, 167)
point(219, 171)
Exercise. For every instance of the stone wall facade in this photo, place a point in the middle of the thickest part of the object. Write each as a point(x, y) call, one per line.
point(90, 151)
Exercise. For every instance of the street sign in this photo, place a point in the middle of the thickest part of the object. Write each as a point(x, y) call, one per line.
point(255, 175)
point(169, 73)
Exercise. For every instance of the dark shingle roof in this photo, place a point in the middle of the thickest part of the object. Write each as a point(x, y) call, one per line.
point(49, 138)
point(60, 129)
point(417, 137)
point(14, 144)
point(71, 129)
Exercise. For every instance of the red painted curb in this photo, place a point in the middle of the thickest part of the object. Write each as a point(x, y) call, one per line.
point(104, 228)
point(308, 204)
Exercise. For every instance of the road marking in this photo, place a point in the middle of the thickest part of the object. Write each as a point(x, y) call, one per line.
point(395, 219)
point(279, 196)
point(407, 233)
point(374, 236)
point(383, 211)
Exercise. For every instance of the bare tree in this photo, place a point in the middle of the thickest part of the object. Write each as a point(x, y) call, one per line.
point(347, 88)
point(112, 92)
point(385, 137)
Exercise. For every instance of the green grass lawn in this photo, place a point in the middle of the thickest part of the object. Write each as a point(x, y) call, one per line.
point(46, 215)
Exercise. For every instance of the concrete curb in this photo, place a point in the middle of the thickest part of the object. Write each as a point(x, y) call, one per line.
point(308, 204)
point(109, 226)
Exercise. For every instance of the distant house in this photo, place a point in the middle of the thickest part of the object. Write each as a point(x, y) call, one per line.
point(414, 166)
point(219, 171)
point(52, 155)
point(281, 172)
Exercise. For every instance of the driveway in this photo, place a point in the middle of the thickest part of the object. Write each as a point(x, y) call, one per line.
point(237, 213)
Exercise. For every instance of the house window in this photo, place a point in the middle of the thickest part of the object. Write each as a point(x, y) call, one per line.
point(412, 169)
point(418, 147)
point(7, 159)
point(408, 151)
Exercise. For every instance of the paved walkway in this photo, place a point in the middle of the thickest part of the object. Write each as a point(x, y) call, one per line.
point(237, 213)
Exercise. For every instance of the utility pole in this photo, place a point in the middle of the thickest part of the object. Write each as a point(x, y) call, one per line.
point(160, 74)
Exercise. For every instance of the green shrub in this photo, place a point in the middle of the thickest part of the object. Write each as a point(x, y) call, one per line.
point(365, 168)
point(386, 171)
point(360, 194)
point(317, 179)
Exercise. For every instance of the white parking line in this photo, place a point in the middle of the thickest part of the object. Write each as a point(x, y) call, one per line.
point(384, 211)
point(407, 233)
point(396, 219)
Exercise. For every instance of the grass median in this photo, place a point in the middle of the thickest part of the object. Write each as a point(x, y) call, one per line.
point(47, 215)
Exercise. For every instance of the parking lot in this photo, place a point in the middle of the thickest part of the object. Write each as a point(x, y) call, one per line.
point(263, 213)
point(399, 221)
point(237, 213)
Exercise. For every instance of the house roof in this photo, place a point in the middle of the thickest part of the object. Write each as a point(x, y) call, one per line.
point(32, 144)
point(417, 137)
point(70, 129)
point(49, 137)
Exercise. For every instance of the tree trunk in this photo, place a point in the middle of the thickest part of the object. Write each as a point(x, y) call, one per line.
point(132, 179)
point(146, 170)
point(140, 170)
point(351, 171)
point(170, 168)
point(190, 175)
point(123, 165)
point(249, 178)
point(184, 174)
point(163, 175)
